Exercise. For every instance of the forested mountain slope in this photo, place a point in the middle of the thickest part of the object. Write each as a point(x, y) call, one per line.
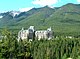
point(64, 19)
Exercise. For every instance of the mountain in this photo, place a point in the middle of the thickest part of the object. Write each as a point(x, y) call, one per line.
point(63, 20)
point(37, 19)
point(66, 19)
point(6, 17)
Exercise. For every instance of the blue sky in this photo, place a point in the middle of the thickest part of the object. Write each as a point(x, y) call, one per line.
point(24, 5)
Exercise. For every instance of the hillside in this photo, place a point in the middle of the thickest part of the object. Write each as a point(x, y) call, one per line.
point(37, 19)
point(66, 19)
point(63, 20)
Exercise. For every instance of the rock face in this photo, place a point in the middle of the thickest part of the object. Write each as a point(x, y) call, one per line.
point(32, 34)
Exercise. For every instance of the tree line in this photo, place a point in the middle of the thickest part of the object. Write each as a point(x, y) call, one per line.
point(57, 48)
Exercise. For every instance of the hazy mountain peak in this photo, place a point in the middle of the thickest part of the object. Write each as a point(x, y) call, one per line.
point(14, 13)
point(47, 6)
point(71, 4)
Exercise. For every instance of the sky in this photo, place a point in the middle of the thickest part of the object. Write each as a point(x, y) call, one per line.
point(25, 5)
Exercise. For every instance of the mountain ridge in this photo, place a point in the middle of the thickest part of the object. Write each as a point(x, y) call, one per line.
point(64, 19)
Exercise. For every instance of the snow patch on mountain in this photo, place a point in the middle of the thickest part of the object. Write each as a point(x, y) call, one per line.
point(1, 16)
point(14, 13)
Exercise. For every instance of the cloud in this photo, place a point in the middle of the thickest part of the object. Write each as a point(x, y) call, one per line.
point(78, 1)
point(25, 9)
point(44, 2)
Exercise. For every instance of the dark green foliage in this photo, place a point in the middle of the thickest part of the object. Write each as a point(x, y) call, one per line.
point(57, 48)
point(10, 48)
point(61, 48)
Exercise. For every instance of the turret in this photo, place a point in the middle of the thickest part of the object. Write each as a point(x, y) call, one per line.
point(31, 32)
point(50, 33)
point(31, 28)
point(49, 29)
